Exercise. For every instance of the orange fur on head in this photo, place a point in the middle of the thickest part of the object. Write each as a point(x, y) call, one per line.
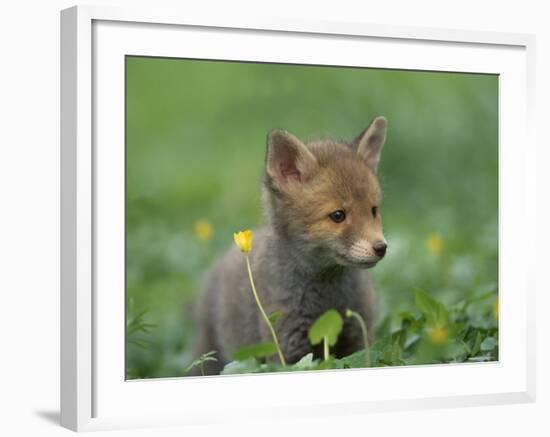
point(305, 184)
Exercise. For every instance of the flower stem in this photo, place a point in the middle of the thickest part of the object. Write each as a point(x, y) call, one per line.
point(363, 326)
point(264, 315)
point(325, 348)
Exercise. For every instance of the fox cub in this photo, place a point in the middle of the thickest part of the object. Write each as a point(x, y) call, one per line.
point(323, 230)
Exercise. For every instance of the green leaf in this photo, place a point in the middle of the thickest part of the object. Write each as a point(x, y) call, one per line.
point(331, 363)
point(434, 311)
point(274, 317)
point(208, 356)
point(356, 360)
point(493, 291)
point(456, 352)
point(248, 366)
point(258, 350)
point(327, 325)
point(411, 341)
point(488, 344)
point(467, 348)
point(477, 344)
point(305, 363)
point(144, 344)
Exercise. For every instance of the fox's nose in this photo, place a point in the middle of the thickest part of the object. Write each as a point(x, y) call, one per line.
point(380, 248)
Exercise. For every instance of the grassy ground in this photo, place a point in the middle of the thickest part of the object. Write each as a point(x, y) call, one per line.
point(195, 150)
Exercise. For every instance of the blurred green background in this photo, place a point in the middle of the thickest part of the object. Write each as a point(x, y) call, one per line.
point(195, 144)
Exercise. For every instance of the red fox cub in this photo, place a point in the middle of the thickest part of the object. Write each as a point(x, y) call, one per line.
point(323, 230)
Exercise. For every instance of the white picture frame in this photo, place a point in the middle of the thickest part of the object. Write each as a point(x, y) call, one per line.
point(94, 393)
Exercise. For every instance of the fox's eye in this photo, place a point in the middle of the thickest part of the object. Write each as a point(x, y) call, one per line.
point(374, 211)
point(337, 216)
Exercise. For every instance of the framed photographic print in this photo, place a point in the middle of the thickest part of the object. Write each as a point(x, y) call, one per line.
point(270, 218)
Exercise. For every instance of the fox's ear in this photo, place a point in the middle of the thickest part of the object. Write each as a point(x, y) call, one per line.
point(288, 159)
point(369, 143)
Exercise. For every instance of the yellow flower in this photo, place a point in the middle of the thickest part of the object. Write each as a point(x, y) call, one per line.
point(438, 334)
point(243, 240)
point(203, 230)
point(434, 243)
point(495, 309)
